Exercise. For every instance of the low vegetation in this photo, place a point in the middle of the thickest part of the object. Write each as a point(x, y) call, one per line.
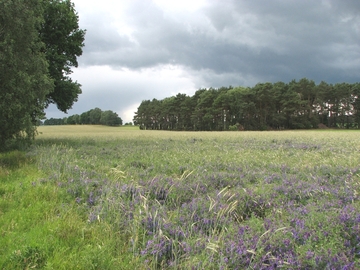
point(92, 197)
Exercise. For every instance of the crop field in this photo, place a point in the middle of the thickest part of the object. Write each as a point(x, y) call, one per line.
point(94, 197)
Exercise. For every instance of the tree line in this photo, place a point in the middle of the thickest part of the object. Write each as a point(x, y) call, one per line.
point(92, 117)
point(40, 41)
point(298, 104)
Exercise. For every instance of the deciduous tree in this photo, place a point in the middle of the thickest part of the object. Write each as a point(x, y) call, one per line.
point(40, 41)
point(110, 118)
point(63, 44)
point(24, 78)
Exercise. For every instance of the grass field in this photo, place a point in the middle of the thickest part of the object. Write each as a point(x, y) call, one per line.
point(94, 197)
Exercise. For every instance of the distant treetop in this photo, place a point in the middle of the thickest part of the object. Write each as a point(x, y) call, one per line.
point(92, 117)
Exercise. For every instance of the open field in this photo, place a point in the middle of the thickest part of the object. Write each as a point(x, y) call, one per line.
point(93, 197)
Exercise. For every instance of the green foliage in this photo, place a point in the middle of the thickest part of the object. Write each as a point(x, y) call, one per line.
point(56, 121)
point(39, 43)
point(63, 44)
point(236, 127)
point(266, 106)
point(92, 117)
point(13, 159)
point(110, 118)
point(95, 116)
point(24, 80)
point(72, 120)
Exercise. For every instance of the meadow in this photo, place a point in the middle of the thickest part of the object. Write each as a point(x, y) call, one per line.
point(95, 197)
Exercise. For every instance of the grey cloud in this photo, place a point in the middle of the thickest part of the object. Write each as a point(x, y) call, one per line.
point(102, 35)
point(233, 42)
point(275, 40)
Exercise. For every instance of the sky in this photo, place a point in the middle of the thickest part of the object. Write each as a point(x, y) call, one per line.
point(138, 50)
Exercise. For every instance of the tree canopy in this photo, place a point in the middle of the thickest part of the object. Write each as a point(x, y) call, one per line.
point(63, 44)
point(266, 106)
point(24, 80)
point(39, 43)
point(92, 117)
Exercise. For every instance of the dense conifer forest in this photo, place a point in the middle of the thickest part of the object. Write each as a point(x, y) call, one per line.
point(299, 104)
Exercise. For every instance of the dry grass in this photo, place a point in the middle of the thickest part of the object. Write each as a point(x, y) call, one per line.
point(96, 131)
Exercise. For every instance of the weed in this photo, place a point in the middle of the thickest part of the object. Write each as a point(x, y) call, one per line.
point(117, 199)
point(26, 258)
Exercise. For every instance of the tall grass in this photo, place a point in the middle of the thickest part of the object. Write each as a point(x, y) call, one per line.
point(112, 198)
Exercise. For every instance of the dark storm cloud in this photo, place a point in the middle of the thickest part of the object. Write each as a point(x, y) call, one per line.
point(221, 43)
point(269, 40)
point(286, 40)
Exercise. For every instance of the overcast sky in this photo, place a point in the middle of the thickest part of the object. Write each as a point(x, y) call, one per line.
point(144, 49)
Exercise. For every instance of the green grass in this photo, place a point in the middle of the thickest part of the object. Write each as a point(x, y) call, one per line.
point(41, 228)
point(93, 197)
